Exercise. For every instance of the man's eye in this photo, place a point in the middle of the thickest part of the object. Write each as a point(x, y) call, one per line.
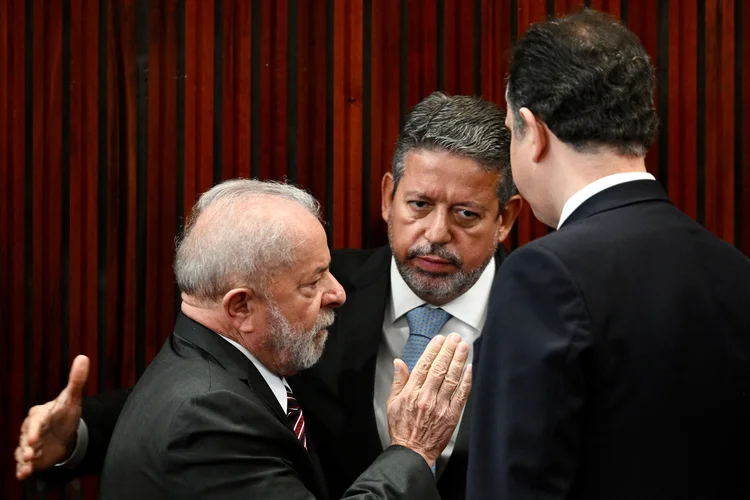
point(466, 214)
point(418, 204)
point(314, 284)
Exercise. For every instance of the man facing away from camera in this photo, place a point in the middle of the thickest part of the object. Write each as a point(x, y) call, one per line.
point(615, 362)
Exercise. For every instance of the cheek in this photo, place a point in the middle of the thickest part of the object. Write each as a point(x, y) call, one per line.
point(476, 247)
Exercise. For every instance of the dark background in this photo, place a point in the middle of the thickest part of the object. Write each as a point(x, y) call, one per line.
point(116, 114)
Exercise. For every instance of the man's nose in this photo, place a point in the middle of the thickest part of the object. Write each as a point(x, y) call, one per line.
point(335, 296)
point(437, 230)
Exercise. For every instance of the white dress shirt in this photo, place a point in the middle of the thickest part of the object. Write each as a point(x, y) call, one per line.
point(275, 383)
point(468, 313)
point(598, 186)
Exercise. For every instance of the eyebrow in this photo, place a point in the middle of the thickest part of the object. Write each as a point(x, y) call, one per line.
point(470, 204)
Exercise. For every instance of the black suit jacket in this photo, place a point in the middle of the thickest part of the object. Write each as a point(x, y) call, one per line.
point(202, 423)
point(338, 391)
point(615, 360)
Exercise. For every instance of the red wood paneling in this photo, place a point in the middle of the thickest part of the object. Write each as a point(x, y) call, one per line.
point(642, 15)
point(459, 47)
point(311, 98)
point(683, 117)
point(719, 105)
point(199, 99)
point(421, 71)
point(236, 78)
point(495, 49)
point(384, 122)
point(527, 227)
point(347, 123)
point(161, 174)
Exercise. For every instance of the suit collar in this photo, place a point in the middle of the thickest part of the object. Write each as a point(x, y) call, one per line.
point(618, 196)
point(229, 357)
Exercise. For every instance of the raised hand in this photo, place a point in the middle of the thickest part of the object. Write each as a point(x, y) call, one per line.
point(425, 406)
point(48, 434)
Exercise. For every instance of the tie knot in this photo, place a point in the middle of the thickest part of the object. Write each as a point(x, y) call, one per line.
point(426, 321)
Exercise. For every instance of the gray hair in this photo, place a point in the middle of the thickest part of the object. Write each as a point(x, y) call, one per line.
point(467, 126)
point(228, 243)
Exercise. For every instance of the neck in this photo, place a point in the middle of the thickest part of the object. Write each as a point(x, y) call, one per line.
point(581, 169)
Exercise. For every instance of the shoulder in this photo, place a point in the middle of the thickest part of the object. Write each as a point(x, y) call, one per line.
point(347, 263)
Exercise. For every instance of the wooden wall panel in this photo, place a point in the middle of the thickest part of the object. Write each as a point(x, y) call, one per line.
point(683, 112)
point(116, 114)
point(719, 152)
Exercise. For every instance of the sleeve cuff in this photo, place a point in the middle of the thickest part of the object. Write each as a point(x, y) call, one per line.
point(82, 443)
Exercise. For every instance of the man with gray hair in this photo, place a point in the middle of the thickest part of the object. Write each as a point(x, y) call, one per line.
point(449, 203)
point(213, 416)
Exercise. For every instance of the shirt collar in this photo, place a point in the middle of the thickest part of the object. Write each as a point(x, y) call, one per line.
point(470, 307)
point(275, 383)
point(598, 186)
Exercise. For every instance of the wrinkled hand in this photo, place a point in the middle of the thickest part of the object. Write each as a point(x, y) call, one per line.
point(48, 434)
point(424, 408)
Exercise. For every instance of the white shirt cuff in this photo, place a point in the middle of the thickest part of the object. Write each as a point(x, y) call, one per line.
point(82, 443)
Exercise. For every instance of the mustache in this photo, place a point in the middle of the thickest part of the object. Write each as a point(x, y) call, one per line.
point(325, 319)
point(433, 250)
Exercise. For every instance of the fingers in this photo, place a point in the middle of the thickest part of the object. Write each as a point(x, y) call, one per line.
point(422, 368)
point(462, 394)
point(456, 368)
point(79, 374)
point(400, 378)
point(440, 365)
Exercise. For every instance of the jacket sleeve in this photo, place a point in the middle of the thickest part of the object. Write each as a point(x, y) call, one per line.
point(224, 446)
point(529, 394)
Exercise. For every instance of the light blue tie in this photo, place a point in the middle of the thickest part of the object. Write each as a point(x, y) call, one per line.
point(424, 323)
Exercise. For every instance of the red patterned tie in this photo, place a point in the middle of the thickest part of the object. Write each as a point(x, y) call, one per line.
point(295, 417)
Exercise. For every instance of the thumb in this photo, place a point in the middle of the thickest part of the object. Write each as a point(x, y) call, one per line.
point(400, 377)
point(79, 374)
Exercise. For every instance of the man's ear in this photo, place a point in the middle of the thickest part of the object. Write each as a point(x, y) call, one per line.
point(240, 304)
point(386, 195)
point(537, 134)
point(508, 216)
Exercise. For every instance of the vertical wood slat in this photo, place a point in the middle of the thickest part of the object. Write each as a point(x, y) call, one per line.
point(459, 47)
point(719, 194)
point(162, 160)
point(642, 22)
point(527, 227)
point(683, 117)
point(311, 98)
point(47, 143)
point(347, 123)
point(84, 154)
point(495, 49)
point(199, 99)
point(13, 122)
point(236, 93)
point(384, 124)
point(422, 50)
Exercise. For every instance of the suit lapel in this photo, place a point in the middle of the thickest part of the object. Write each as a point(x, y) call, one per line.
point(236, 363)
point(361, 328)
point(458, 458)
point(618, 196)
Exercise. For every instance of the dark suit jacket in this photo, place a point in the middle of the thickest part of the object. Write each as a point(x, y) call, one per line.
point(202, 423)
point(615, 361)
point(336, 394)
point(339, 389)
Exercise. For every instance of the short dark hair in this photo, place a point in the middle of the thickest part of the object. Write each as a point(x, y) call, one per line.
point(589, 79)
point(467, 126)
